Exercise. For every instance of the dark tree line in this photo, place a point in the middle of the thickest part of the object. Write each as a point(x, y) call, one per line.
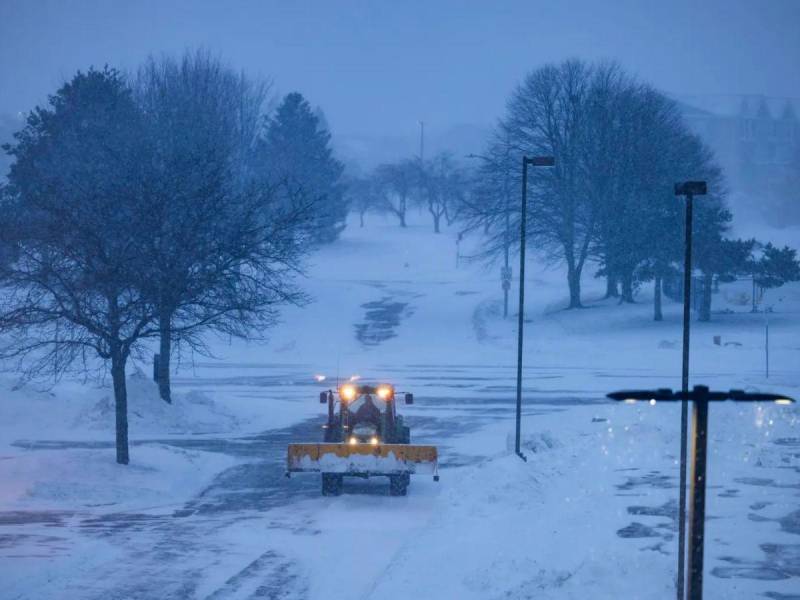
point(437, 186)
point(160, 205)
point(619, 146)
point(774, 267)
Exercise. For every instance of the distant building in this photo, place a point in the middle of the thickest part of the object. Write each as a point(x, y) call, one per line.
point(756, 140)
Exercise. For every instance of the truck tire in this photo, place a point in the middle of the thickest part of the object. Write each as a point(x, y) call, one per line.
point(398, 484)
point(331, 484)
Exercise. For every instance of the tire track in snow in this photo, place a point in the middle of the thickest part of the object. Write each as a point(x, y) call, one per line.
point(270, 576)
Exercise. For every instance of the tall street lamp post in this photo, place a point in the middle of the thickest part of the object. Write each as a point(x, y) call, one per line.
point(535, 161)
point(688, 189)
point(700, 396)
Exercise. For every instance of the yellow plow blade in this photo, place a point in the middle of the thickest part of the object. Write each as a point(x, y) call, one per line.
point(362, 459)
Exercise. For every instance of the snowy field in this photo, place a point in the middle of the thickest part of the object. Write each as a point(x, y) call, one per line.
point(204, 511)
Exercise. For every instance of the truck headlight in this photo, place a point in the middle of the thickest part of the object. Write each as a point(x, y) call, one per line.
point(347, 392)
point(374, 440)
point(353, 440)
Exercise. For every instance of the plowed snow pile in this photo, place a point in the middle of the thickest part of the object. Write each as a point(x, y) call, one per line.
point(191, 412)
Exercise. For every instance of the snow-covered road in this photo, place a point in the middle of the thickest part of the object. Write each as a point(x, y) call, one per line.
point(595, 504)
point(186, 551)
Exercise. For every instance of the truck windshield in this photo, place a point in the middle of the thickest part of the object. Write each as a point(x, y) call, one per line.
point(359, 402)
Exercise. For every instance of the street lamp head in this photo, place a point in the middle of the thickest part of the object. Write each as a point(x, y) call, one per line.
point(700, 392)
point(633, 396)
point(691, 188)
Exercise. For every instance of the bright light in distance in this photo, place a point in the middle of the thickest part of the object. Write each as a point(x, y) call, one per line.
point(347, 392)
point(353, 440)
point(783, 401)
point(630, 400)
point(319, 378)
point(355, 377)
point(373, 440)
point(652, 401)
point(384, 392)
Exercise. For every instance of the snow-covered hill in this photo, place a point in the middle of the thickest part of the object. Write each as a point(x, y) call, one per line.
point(591, 514)
point(383, 295)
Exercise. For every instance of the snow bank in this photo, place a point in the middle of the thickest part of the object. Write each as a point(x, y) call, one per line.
point(189, 413)
point(75, 410)
point(80, 479)
point(80, 471)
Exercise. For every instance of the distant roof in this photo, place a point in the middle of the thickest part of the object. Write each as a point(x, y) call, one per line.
point(734, 105)
point(690, 109)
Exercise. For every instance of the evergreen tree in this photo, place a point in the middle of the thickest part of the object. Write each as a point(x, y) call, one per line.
point(711, 218)
point(298, 160)
point(776, 267)
point(724, 259)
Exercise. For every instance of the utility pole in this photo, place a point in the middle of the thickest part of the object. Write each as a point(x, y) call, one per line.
point(536, 161)
point(766, 338)
point(688, 189)
point(421, 142)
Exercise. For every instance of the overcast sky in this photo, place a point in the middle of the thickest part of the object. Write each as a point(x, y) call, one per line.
point(377, 68)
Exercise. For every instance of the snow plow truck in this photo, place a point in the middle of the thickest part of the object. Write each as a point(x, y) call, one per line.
point(365, 437)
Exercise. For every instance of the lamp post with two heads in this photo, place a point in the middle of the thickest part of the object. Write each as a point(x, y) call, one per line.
point(700, 396)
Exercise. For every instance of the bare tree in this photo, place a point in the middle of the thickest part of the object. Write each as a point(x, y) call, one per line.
point(547, 116)
point(364, 195)
point(396, 182)
point(75, 193)
point(619, 146)
point(491, 203)
point(443, 188)
point(221, 244)
point(630, 169)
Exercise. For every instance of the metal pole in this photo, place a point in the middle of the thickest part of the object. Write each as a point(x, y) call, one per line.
point(766, 339)
point(421, 142)
point(687, 298)
point(507, 234)
point(697, 500)
point(522, 227)
point(506, 243)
